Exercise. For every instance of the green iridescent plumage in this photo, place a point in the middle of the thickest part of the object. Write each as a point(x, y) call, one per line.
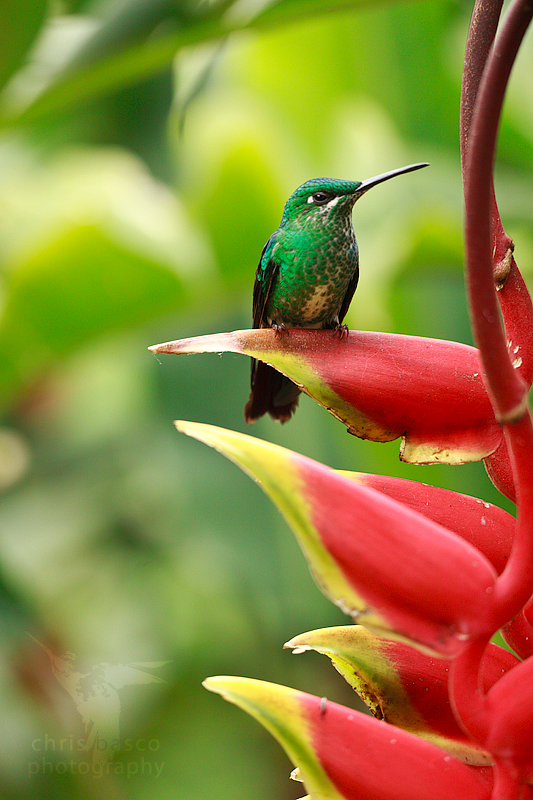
point(306, 277)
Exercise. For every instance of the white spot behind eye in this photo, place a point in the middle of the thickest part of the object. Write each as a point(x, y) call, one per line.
point(332, 203)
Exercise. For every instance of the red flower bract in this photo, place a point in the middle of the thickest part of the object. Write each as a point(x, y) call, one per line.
point(382, 386)
point(421, 573)
point(367, 759)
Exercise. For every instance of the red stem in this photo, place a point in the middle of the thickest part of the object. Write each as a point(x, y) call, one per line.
point(514, 586)
point(506, 786)
point(481, 34)
point(518, 321)
point(486, 243)
point(505, 384)
point(466, 693)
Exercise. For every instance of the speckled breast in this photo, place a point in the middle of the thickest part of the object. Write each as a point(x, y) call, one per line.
point(312, 281)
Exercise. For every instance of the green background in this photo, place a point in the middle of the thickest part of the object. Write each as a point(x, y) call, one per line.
point(146, 151)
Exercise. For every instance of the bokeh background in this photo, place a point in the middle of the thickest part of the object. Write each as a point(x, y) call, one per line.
point(146, 150)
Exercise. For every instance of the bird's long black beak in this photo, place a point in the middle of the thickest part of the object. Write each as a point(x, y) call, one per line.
point(385, 177)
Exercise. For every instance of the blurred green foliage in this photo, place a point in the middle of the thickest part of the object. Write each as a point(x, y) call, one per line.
point(146, 151)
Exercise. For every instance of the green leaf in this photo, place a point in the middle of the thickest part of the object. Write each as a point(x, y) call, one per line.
point(80, 286)
point(20, 22)
point(151, 53)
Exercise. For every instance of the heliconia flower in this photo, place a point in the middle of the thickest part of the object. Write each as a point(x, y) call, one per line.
point(403, 686)
point(486, 526)
point(342, 754)
point(383, 386)
point(393, 569)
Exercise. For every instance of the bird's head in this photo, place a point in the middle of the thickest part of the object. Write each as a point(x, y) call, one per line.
point(320, 198)
point(332, 199)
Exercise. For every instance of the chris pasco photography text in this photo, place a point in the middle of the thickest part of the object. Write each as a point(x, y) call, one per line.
point(52, 757)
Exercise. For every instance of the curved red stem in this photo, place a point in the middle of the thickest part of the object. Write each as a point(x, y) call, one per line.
point(507, 388)
point(487, 244)
point(481, 34)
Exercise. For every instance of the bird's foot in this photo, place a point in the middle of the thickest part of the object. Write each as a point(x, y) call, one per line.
point(280, 330)
point(341, 331)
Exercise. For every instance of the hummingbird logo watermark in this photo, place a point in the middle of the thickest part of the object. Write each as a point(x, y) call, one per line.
point(95, 693)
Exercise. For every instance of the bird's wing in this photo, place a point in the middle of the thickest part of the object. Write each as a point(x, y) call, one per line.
point(265, 276)
point(352, 286)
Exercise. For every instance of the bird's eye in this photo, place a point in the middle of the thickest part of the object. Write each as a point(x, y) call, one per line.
point(320, 198)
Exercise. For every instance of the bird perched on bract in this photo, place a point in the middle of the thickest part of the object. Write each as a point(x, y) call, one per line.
point(306, 278)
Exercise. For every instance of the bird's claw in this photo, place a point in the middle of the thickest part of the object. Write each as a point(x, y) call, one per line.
point(280, 330)
point(341, 331)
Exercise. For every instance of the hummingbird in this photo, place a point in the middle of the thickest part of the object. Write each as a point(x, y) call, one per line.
point(306, 278)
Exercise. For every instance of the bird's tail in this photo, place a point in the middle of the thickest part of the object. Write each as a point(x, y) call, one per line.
point(271, 392)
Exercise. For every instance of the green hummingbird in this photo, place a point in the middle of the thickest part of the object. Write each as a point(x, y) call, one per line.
point(306, 277)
